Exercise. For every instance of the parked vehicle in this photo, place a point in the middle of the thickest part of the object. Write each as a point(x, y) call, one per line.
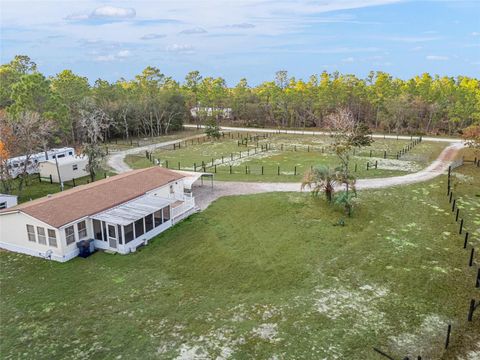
point(16, 165)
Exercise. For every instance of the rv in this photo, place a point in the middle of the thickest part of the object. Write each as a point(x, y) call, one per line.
point(16, 165)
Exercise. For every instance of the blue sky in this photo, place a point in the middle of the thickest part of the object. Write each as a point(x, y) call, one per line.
point(244, 38)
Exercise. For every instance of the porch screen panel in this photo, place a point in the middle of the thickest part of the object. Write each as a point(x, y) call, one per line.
point(97, 229)
point(139, 230)
point(157, 215)
point(166, 213)
point(148, 223)
point(128, 233)
point(119, 230)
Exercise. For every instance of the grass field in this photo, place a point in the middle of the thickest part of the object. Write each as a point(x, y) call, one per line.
point(256, 277)
point(285, 164)
point(123, 144)
point(466, 189)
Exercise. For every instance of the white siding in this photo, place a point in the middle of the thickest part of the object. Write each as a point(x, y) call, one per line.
point(13, 236)
point(8, 200)
point(67, 173)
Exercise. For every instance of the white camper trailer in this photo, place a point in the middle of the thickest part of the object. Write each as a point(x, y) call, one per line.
point(7, 201)
point(16, 165)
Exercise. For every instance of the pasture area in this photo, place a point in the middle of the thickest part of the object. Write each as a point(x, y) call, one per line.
point(136, 141)
point(266, 276)
point(284, 158)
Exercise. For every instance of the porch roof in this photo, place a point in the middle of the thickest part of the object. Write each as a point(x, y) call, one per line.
point(190, 177)
point(133, 210)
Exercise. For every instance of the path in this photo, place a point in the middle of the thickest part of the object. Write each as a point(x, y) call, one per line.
point(205, 195)
point(117, 159)
point(308, 132)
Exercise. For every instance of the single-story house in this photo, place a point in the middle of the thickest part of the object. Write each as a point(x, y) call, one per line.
point(7, 201)
point(69, 168)
point(119, 213)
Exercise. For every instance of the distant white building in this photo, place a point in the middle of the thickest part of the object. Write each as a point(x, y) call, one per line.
point(225, 113)
point(7, 201)
point(72, 167)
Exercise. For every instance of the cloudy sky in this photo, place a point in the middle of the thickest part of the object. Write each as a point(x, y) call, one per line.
point(244, 38)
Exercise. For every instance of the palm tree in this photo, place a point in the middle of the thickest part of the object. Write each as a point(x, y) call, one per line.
point(320, 179)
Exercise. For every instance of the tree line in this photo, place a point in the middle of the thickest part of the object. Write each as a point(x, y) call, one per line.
point(153, 104)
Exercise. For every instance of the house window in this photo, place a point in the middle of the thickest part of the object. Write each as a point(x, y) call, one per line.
point(139, 230)
point(148, 223)
point(171, 189)
point(42, 238)
point(157, 215)
point(128, 233)
point(70, 153)
point(70, 235)
point(82, 229)
point(3, 205)
point(52, 238)
point(97, 229)
point(75, 167)
point(31, 233)
point(60, 156)
point(166, 213)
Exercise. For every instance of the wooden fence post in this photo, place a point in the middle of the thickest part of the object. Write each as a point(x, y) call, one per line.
point(472, 308)
point(466, 240)
point(51, 179)
point(278, 170)
point(461, 227)
point(447, 341)
point(470, 261)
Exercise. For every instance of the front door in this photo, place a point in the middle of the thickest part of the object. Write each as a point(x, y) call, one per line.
point(112, 236)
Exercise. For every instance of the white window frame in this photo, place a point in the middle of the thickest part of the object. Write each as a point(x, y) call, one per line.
point(82, 233)
point(52, 237)
point(31, 233)
point(69, 238)
point(42, 238)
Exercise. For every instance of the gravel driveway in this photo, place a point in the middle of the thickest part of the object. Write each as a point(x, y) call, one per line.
point(205, 195)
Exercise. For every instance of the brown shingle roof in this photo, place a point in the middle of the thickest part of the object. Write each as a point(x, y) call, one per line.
point(67, 206)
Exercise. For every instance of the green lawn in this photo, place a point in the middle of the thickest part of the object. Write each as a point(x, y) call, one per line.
point(123, 144)
point(292, 163)
point(466, 190)
point(256, 277)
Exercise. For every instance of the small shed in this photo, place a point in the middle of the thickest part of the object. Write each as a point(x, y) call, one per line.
point(69, 168)
point(7, 201)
